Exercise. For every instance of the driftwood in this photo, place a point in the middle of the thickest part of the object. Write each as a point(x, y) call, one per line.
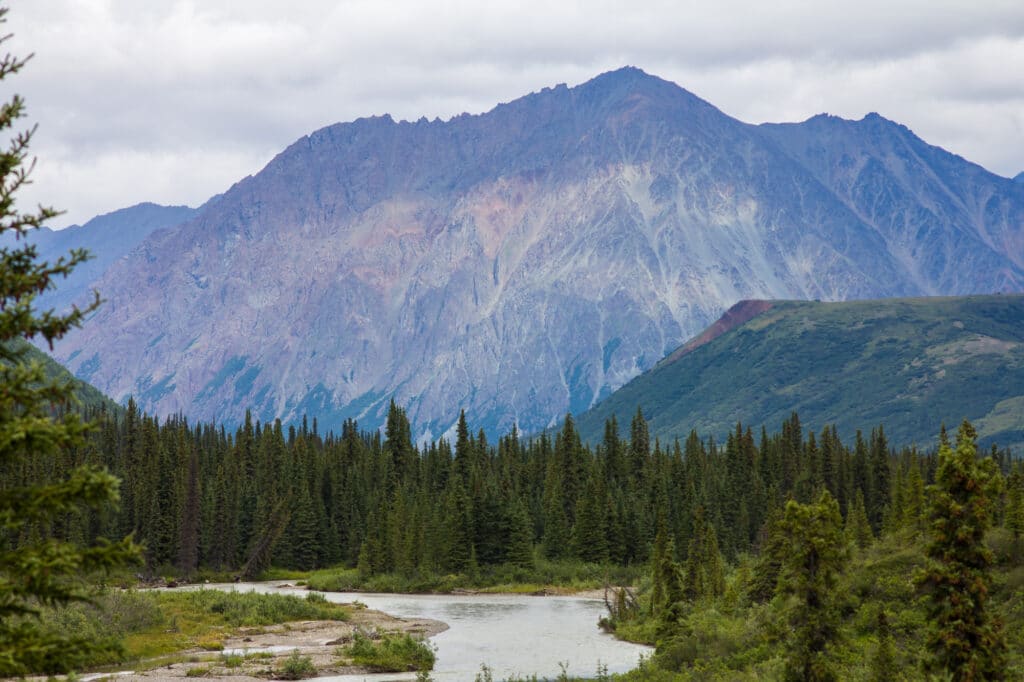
point(622, 606)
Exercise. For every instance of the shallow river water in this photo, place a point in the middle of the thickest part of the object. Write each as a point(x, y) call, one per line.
point(514, 635)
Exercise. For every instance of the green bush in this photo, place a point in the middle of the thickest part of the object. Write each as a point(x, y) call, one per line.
point(390, 653)
point(296, 667)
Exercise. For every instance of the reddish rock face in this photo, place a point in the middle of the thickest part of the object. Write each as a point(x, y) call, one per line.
point(526, 261)
point(739, 314)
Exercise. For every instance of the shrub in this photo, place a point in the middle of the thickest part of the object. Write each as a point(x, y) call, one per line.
point(390, 653)
point(296, 667)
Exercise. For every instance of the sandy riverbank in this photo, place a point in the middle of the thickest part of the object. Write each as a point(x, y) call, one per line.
point(320, 640)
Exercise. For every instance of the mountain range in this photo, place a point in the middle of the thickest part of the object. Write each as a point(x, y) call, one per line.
point(527, 261)
point(107, 238)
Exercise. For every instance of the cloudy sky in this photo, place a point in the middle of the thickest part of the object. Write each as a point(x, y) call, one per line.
point(173, 101)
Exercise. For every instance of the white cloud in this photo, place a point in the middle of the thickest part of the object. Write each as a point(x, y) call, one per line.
point(175, 101)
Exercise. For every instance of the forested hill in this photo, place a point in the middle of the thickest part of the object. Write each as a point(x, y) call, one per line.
point(89, 396)
point(908, 363)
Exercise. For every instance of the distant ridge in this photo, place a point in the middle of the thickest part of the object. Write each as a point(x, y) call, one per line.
point(907, 364)
point(107, 237)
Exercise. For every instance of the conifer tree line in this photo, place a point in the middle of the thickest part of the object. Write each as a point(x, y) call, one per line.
point(265, 494)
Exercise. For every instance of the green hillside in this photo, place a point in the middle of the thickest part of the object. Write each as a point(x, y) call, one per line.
point(89, 396)
point(909, 364)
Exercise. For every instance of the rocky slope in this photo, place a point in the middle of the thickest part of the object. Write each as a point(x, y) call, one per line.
point(107, 238)
point(908, 364)
point(529, 260)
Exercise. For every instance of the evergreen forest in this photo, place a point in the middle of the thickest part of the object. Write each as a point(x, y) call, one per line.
point(702, 532)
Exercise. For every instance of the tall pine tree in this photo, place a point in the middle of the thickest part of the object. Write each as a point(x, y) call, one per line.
point(36, 423)
point(965, 640)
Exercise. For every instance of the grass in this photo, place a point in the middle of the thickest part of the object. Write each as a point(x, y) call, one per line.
point(390, 653)
point(156, 625)
point(551, 576)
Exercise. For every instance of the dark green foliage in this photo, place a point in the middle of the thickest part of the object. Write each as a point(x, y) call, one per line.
point(884, 666)
point(590, 533)
point(966, 641)
point(520, 544)
point(766, 572)
point(880, 479)
point(810, 570)
point(858, 528)
point(704, 571)
point(667, 587)
point(390, 653)
point(1015, 506)
point(45, 554)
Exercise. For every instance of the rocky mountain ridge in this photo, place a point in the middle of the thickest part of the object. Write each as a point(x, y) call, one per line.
point(527, 261)
point(106, 237)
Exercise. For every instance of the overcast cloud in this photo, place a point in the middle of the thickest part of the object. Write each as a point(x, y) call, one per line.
point(172, 102)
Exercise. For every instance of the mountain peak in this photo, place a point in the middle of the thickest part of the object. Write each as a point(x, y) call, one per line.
point(549, 249)
point(630, 80)
point(625, 74)
point(1019, 177)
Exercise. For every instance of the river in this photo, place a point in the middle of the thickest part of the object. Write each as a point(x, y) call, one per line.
point(514, 635)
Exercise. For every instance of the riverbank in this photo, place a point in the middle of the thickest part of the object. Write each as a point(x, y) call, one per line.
point(265, 630)
point(227, 630)
point(516, 636)
point(261, 653)
point(544, 577)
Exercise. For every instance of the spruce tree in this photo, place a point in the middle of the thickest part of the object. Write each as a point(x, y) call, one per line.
point(765, 577)
point(913, 498)
point(883, 662)
point(858, 528)
point(810, 570)
point(880, 479)
point(556, 527)
point(965, 641)
point(37, 421)
point(1015, 506)
point(704, 570)
point(520, 540)
point(590, 533)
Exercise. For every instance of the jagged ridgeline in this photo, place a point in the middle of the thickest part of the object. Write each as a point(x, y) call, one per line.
point(911, 364)
point(527, 261)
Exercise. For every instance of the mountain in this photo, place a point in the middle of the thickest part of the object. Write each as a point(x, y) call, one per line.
point(107, 238)
point(1019, 177)
point(529, 260)
point(909, 364)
